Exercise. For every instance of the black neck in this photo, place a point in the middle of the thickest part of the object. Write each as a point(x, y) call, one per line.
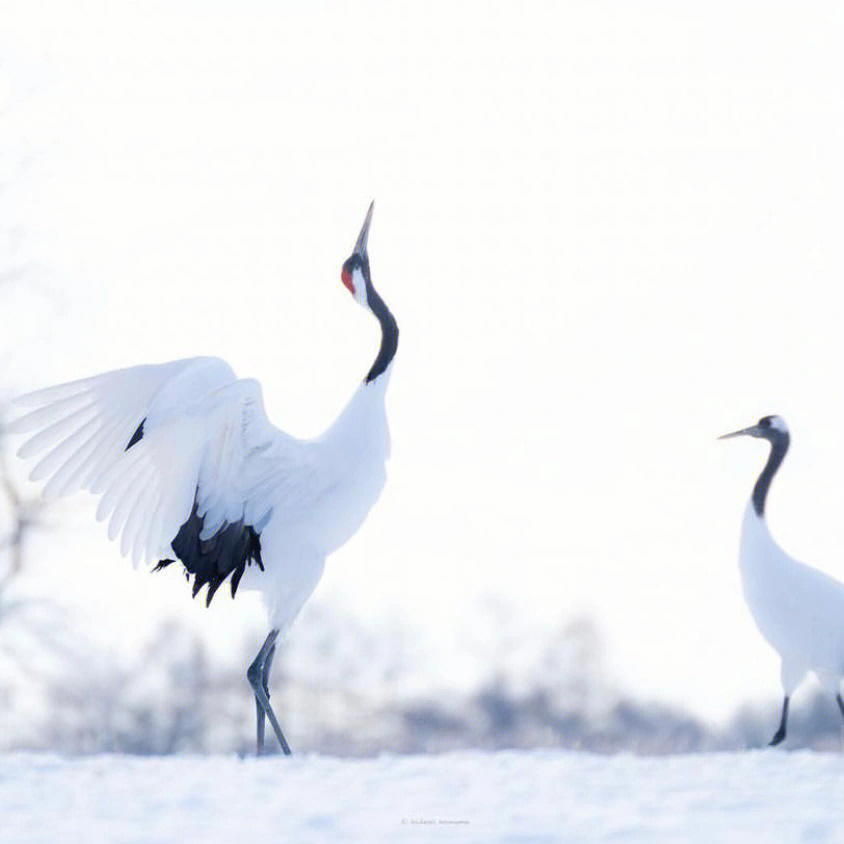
point(389, 333)
point(779, 446)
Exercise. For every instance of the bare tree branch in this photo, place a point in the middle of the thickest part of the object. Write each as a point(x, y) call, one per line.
point(24, 515)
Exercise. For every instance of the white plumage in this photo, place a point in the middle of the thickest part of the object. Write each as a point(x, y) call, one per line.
point(187, 466)
point(799, 610)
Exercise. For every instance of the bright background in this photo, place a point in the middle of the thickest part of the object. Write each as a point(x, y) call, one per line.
point(609, 232)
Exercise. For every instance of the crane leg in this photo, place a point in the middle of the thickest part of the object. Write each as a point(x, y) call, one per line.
point(779, 735)
point(256, 670)
point(261, 725)
point(840, 703)
point(258, 676)
point(265, 676)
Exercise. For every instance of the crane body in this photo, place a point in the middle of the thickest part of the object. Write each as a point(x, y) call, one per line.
point(188, 467)
point(798, 610)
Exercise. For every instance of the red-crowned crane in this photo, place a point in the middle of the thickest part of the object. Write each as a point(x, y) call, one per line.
point(798, 609)
point(187, 467)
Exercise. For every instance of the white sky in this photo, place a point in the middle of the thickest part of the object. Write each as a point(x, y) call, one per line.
point(609, 233)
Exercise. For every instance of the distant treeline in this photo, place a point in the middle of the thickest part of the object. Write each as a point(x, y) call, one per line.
point(173, 699)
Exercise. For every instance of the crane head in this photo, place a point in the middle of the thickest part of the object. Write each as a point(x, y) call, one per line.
point(355, 273)
point(768, 427)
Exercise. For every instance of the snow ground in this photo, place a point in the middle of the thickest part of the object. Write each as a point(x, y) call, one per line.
point(467, 796)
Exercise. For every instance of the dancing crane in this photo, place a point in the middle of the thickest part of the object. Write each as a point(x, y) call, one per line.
point(188, 467)
point(798, 609)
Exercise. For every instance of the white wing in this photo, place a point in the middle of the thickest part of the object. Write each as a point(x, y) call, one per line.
point(152, 441)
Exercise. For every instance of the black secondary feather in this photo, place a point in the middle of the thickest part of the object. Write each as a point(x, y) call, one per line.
point(228, 552)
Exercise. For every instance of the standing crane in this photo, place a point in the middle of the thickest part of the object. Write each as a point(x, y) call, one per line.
point(188, 467)
point(798, 609)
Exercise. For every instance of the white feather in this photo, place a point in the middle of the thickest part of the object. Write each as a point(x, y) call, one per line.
point(798, 609)
point(206, 438)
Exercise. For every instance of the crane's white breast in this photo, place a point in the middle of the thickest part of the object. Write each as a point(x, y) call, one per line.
point(799, 610)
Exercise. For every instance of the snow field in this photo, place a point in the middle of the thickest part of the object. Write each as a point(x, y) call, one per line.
point(468, 796)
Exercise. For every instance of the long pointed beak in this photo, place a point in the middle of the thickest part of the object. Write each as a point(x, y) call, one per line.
point(748, 431)
point(360, 246)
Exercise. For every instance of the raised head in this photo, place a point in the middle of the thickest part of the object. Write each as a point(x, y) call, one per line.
point(355, 272)
point(358, 281)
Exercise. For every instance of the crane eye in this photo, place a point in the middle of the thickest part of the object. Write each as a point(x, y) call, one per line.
point(765, 422)
point(346, 277)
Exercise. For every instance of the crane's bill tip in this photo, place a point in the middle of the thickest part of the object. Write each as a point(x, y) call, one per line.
point(360, 246)
point(734, 434)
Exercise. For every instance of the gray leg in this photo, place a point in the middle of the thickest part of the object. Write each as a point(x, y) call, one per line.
point(779, 735)
point(261, 723)
point(266, 674)
point(265, 677)
point(257, 669)
point(257, 675)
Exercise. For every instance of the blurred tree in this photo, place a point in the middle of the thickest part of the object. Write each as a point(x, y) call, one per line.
point(36, 627)
point(19, 514)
